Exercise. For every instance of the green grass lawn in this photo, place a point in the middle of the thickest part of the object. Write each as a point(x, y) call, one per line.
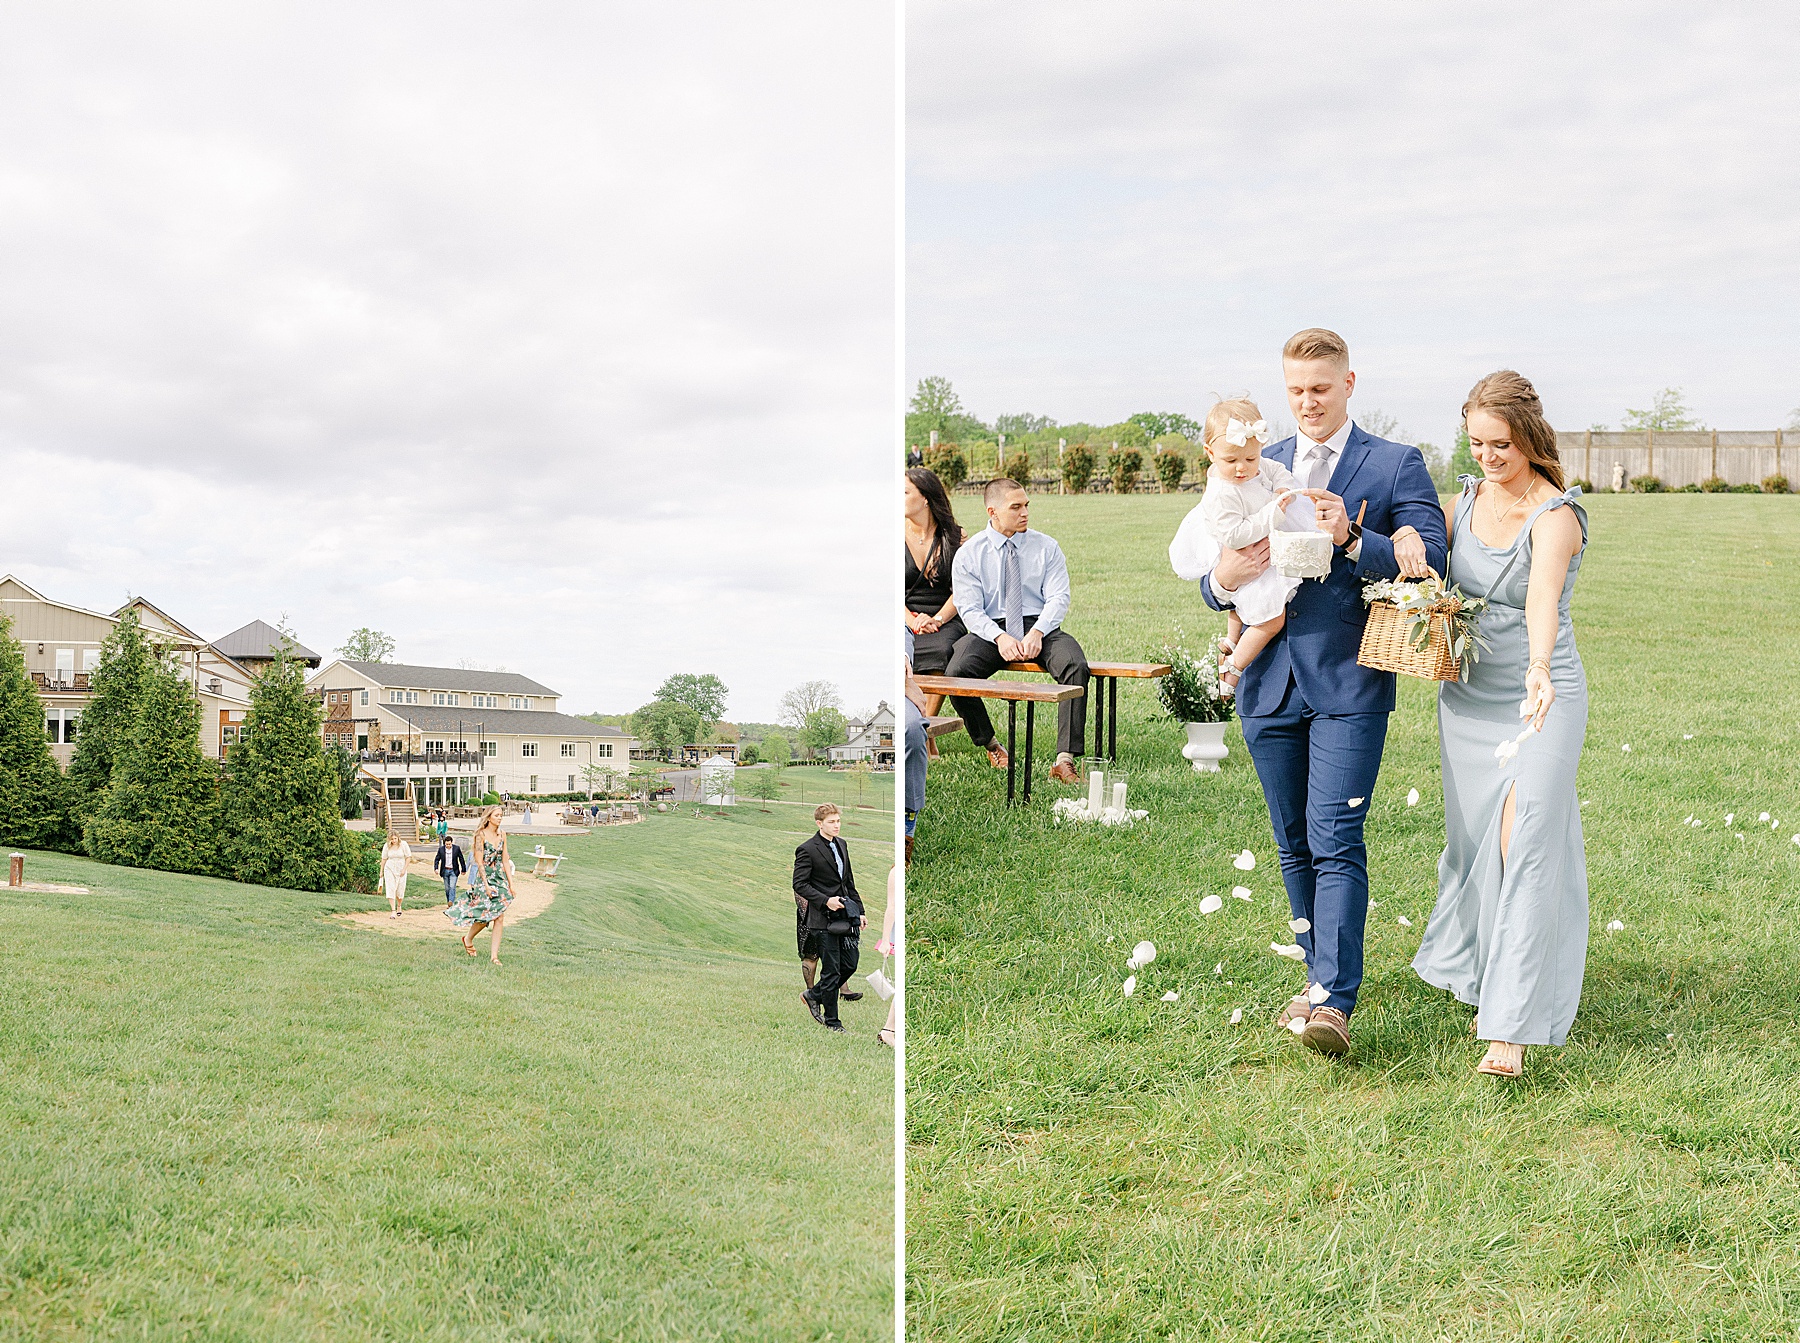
point(1086, 1166)
point(228, 1117)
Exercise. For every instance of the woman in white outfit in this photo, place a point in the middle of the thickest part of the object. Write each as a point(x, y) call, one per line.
point(394, 856)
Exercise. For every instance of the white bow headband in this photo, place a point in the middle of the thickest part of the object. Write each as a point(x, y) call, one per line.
point(1238, 433)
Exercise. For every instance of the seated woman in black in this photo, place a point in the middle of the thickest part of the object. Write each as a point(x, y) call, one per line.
point(932, 538)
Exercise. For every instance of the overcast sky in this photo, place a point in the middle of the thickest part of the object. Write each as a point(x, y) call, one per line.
point(1124, 207)
point(552, 336)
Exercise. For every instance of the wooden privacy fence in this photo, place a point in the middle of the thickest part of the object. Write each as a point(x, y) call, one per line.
point(1679, 457)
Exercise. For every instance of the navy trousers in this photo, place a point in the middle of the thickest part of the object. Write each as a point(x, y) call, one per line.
point(1312, 767)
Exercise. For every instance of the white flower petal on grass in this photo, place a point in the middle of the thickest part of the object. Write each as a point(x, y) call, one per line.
point(1211, 905)
point(1740, 834)
point(1237, 1015)
point(1374, 904)
point(1131, 964)
point(1245, 861)
point(1109, 938)
point(1131, 986)
point(1588, 803)
point(1171, 997)
point(1241, 892)
point(1763, 817)
point(1297, 1026)
point(1317, 994)
point(1412, 798)
point(1626, 748)
point(1219, 969)
point(1300, 925)
point(1292, 952)
point(1145, 952)
point(1687, 736)
point(1797, 839)
point(1405, 922)
point(1615, 927)
point(1688, 819)
point(1729, 816)
point(1356, 801)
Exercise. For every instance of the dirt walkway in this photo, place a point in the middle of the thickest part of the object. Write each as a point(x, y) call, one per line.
point(531, 897)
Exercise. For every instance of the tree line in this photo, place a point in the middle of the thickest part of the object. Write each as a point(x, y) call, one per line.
point(140, 792)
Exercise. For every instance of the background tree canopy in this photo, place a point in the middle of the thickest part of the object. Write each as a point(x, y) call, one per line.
point(367, 645)
point(705, 695)
point(667, 724)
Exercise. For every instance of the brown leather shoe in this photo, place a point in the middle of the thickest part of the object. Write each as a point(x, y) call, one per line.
point(1064, 773)
point(997, 756)
point(1299, 1008)
point(1328, 1031)
point(909, 849)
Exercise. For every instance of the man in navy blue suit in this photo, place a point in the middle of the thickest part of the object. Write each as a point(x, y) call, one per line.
point(1314, 721)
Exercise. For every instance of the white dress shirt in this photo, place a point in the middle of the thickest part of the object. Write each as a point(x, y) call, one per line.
point(977, 582)
point(1304, 447)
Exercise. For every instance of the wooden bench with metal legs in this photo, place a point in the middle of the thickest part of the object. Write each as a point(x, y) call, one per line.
point(1106, 716)
point(1033, 693)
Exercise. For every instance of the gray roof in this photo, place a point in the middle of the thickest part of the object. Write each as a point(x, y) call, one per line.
point(523, 722)
point(260, 640)
point(449, 678)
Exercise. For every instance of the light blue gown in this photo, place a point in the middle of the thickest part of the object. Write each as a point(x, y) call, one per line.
point(1511, 938)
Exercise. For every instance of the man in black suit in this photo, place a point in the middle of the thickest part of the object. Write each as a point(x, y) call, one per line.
point(825, 890)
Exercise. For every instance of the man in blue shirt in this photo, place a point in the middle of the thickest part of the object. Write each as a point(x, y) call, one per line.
point(1012, 590)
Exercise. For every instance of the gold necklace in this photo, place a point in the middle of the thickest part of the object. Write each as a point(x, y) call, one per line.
point(1502, 517)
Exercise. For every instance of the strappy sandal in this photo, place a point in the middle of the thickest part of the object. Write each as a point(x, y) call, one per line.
point(469, 946)
point(1491, 1068)
point(882, 1036)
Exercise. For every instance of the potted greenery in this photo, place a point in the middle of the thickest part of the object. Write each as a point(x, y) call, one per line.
point(1192, 696)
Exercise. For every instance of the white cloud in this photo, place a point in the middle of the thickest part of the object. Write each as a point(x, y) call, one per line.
point(563, 342)
point(1130, 207)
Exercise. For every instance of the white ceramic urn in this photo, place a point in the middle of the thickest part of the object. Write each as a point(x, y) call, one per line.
point(1205, 746)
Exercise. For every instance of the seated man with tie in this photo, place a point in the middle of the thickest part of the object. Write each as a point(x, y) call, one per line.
point(1011, 588)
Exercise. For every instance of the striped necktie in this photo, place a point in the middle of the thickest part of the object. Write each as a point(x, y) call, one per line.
point(1012, 589)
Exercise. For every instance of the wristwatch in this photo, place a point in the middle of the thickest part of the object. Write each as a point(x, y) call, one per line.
point(1354, 536)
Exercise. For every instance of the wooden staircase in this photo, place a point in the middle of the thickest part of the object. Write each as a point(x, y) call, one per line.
point(400, 816)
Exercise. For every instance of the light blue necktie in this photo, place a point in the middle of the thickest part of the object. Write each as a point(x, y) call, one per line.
point(1012, 589)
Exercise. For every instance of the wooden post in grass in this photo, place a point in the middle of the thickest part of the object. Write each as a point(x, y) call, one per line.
point(15, 870)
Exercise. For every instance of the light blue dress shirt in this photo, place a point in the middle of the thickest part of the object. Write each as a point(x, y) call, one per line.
point(976, 580)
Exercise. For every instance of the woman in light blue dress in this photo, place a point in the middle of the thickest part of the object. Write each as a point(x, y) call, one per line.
point(1509, 933)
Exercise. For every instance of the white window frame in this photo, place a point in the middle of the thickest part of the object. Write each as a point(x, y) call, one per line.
point(518, 701)
point(568, 750)
point(490, 748)
point(528, 750)
point(365, 697)
point(604, 750)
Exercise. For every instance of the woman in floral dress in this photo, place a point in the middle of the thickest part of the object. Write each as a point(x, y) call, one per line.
point(490, 886)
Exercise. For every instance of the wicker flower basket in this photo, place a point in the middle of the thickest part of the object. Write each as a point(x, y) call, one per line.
point(1391, 643)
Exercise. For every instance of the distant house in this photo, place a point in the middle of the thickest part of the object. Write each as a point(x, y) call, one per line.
point(62, 649)
point(871, 739)
point(447, 735)
point(255, 645)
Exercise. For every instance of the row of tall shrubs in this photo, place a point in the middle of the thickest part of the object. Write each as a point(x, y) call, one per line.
point(1079, 466)
point(140, 792)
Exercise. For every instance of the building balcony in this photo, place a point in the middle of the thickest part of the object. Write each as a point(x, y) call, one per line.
point(405, 760)
point(45, 681)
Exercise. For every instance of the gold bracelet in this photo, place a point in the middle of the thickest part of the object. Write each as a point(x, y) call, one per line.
point(1538, 662)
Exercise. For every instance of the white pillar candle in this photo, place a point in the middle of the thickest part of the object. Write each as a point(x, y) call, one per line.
point(1096, 782)
point(1119, 797)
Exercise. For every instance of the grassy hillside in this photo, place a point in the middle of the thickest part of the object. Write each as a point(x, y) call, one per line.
point(1084, 1165)
point(230, 1117)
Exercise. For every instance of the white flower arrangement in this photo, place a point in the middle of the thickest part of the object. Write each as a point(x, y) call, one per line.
point(1418, 599)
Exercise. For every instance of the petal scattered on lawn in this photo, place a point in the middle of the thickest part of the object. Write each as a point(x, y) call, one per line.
point(1687, 736)
point(1211, 904)
point(1626, 748)
point(1300, 925)
point(1245, 861)
point(1297, 1026)
point(1219, 969)
point(1797, 839)
point(1292, 952)
point(1405, 922)
point(1109, 938)
point(1763, 817)
point(1132, 965)
point(1374, 904)
point(1241, 892)
point(1588, 803)
point(1131, 986)
point(1615, 927)
point(1317, 994)
point(1145, 952)
point(1412, 797)
point(1357, 801)
point(1688, 819)
point(1237, 1015)
point(1740, 834)
point(1171, 997)
point(1729, 816)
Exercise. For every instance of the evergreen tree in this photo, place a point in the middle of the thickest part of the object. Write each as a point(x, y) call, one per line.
point(127, 662)
point(33, 793)
point(282, 795)
point(162, 808)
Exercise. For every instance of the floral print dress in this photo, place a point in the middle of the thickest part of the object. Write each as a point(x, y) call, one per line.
point(489, 892)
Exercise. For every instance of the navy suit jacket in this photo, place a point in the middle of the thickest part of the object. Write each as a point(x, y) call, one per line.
point(1317, 648)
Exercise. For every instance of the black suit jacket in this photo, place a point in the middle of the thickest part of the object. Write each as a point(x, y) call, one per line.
point(816, 880)
point(457, 862)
